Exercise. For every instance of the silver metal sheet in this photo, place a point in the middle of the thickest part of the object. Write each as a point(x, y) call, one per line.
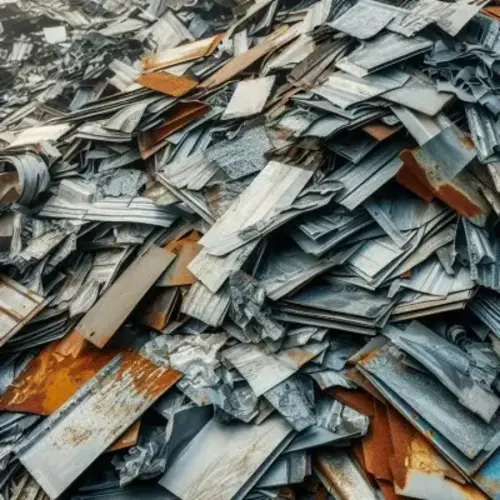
point(366, 19)
point(225, 461)
point(385, 50)
point(249, 98)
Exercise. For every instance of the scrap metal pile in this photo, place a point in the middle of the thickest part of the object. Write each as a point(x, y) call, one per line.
point(249, 249)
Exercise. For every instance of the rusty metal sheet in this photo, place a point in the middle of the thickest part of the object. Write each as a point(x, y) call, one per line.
point(377, 448)
point(178, 273)
point(172, 85)
point(422, 177)
point(240, 62)
point(128, 438)
point(111, 310)
point(68, 441)
point(161, 306)
point(18, 305)
point(355, 398)
point(380, 131)
point(184, 53)
point(50, 379)
point(179, 116)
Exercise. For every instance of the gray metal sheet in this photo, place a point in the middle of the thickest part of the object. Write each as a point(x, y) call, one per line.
point(385, 50)
point(225, 461)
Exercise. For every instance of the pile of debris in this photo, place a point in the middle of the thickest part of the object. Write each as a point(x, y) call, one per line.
point(249, 250)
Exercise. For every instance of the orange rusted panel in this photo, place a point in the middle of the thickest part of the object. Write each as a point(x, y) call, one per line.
point(186, 250)
point(355, 398)
point(387, 490)
point(494, 12)
point(379, 460)
point(181, 115)
point(172, 85)
point(162, 305)
point(183, 54)
point(128, 438)
point(380, 131)
point(50, 379)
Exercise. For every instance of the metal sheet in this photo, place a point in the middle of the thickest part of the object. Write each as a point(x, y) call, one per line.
point(249, 98)
point(224, 461)
point(72, 438)
point(106, 316)
point(385, 50)
point(18, 305)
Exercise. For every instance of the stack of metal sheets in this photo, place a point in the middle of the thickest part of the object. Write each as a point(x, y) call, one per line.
point(249, 250)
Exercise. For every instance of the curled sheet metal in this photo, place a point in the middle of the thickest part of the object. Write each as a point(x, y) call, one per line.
point(32, 176)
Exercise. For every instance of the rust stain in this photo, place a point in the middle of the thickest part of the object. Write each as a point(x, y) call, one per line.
point(458, 200)
point(50, 379)
point(355, 398)
point(162, 305)
point(172, 85)
point(401, 435)
point(380, 131)
point(382, 446)
point(186, 249)
point(73, 345)
point(413, 176)
point(490, 485)
point(181, 115)
point(407, 178)
point(147, 378)
point(388, 490)
point(299, 357)
point(128, 438)
point(492, 11)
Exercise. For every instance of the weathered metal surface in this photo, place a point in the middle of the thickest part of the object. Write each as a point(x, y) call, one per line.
point(70, 439)
point(18, 305)
point(106, 316)
point(237, 457)
point(166, 83)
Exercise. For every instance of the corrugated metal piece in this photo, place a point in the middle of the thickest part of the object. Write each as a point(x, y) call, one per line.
point(447, 363)
point(484, 132)
point(111, 310)
point(72, 438)
point(18, 305)
point(249, 98)
point(202, 304)
point(433, 402)
point(342, 477)
point(172, 85)
point(119, 209)
point(385, 50)
point(224, 461)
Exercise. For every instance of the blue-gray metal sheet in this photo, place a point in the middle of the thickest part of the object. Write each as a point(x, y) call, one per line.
point(433, 402)
point(225, 461)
